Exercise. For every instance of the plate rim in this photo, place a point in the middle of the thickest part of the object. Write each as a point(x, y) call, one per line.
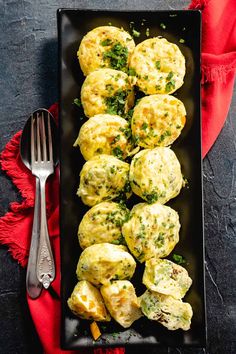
point(63, 11)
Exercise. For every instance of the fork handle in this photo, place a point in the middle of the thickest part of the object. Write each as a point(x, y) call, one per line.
point(45, 261)
point(33, 285)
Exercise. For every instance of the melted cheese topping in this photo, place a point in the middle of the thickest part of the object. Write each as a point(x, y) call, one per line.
point(101, 263)
point(121, 301)
point(166, 277)
point(171, 313)
point(159, 66)
point(151, 231)
point(155, 175)
point(103, 178)
point(158, 120)
point(107, 91)
point(86, 302)
point(102, 223)
point(97, 45)
point(104, 134)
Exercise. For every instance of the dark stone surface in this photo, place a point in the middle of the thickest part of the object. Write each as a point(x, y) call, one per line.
point(28, 80)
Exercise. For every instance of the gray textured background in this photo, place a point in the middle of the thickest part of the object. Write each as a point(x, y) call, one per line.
point(28, 80)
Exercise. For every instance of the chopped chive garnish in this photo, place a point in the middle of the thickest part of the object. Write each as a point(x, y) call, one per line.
point(178, 259)
point(77, 102)
point(158, 64)
point(106, 42)
point(135, 33)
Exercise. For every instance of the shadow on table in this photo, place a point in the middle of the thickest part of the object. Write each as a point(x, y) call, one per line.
point(47, 80)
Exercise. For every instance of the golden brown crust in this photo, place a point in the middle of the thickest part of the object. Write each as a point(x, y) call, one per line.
point(94, 49)
point(107, 91)
point(158, 120)
point(159, 66)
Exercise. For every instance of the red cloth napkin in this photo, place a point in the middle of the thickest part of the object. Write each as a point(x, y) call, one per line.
point(218, 71)
point(218, 64)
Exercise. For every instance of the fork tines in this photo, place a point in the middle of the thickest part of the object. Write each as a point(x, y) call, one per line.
point(41, 137)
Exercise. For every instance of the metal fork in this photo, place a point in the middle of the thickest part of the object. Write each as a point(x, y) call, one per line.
point(42, 167)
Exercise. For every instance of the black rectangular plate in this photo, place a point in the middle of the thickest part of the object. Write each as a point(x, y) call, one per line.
point(72, 26)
